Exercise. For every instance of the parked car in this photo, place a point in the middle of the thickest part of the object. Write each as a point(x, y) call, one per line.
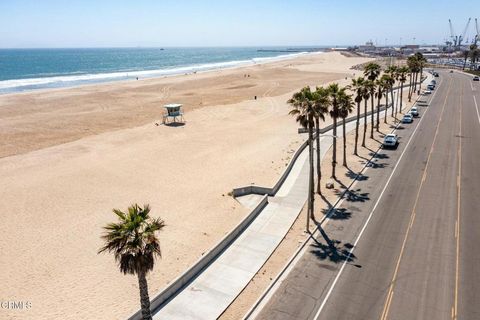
point(435, 74)
point(434, 82)
point(476, 78)
point(414, 111)
point(407, 118)
point(451, 71)
point(390, 141)
point(431, 87)
point(427, 92)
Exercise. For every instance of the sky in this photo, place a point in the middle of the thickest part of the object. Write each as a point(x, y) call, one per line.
point(165, 23)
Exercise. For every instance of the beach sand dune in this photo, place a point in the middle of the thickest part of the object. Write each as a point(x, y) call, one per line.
point(69, 156)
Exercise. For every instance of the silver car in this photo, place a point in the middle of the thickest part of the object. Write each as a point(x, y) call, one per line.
point(390, 141)
point(414, 111)
point(407, 118)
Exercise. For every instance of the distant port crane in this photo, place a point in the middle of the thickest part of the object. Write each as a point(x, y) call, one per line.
point(457, 39)
point(477, 36)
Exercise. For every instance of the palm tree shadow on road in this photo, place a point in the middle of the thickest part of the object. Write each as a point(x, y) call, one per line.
point(357, 176)
point(332, 250)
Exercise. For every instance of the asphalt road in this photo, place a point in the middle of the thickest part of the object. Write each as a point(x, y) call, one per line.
point(404, 243)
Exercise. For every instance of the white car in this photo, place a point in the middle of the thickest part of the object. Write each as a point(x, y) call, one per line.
point(427, 91)
point(414, 111)
point(407, 118)
point(390, 141)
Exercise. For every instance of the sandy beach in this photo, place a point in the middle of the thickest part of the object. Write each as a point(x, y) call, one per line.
point(68, 156)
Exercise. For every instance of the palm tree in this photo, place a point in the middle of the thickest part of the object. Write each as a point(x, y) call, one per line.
point(372, 71)
point(346, 106)
point(380, 93)
point(386, 80)
point(414, 66)
point(336, 94)
point(368, 87)
point(373, 92)
point(474, 54)
point(321, 103)
point(304, 110)
point(133, 242)
point(357, 86)
point(392, 72)
point(421, 62)
point(465, 54)
point(402, 78)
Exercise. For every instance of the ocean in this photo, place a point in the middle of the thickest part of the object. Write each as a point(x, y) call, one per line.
point(30, 69)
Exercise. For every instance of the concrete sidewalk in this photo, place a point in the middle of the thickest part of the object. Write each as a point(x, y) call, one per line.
point(218, 285)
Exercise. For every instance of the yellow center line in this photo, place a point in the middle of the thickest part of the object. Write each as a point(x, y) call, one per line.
point(388, 305)
point(388, 300)
point(459, 191)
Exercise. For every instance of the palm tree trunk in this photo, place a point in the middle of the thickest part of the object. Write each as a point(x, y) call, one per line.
point(357, 125)
point(334, 157)
point(386, 107)
point(409, 83)
point(319, 170)
point(373, 114)
point(420, 82)
point(398, 99)
point(378, 111)
point(364, 123)
point(414, 83)
point(310, 180)
point(410, 87)
point(144, 299)
point(401, 98)
point(344, 143)
point(393, 101)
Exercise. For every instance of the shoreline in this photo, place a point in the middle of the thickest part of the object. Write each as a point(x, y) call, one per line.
point(127, 76)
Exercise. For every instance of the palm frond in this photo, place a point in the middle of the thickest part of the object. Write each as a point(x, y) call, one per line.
point(133, 239)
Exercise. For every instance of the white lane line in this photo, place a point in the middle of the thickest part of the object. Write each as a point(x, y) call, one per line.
point(370, 215)
point(476, 107)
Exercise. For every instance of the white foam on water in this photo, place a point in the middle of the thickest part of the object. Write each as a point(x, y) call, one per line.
point(71, 80)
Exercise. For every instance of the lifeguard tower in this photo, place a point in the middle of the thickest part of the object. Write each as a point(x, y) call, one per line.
point(173, 113)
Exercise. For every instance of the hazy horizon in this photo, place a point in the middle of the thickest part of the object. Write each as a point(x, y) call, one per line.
point(120, 24)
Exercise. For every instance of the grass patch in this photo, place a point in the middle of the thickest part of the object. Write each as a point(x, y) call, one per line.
point(474, 72)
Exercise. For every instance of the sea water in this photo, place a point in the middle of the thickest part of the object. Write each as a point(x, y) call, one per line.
point(30, 69)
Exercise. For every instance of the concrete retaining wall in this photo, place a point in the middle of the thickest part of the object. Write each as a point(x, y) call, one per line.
point(183, 280)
